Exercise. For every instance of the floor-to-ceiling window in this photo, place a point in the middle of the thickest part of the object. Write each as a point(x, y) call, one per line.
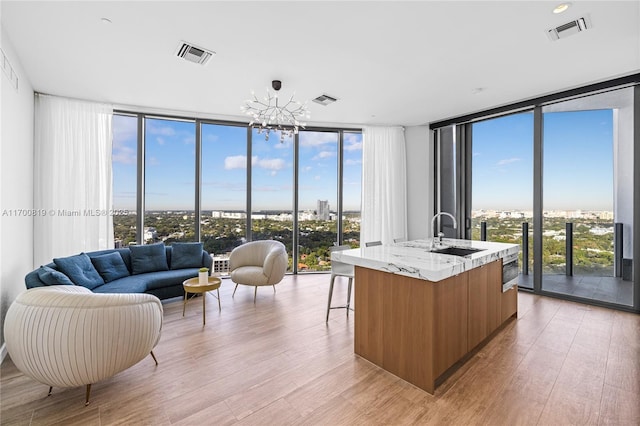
point(224, 184)
point(317, 199)
point(223, 220)
point(169, 190)
point(557, 177)
point(272, 176)
point(125, 172)
point(351, 188)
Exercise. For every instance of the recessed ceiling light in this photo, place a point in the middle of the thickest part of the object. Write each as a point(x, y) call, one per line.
point(105, 20)
point(561, 7)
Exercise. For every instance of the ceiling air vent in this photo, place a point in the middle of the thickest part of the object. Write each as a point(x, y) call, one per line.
point(192, 53)
point(324, 100)
point(570, 28)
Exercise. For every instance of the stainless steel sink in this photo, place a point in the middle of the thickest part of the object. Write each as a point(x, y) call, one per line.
point(457, 251)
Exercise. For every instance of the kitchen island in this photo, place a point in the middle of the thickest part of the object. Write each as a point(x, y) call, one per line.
point(419, 313)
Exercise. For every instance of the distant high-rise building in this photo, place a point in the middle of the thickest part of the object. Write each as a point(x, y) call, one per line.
point(322, 212)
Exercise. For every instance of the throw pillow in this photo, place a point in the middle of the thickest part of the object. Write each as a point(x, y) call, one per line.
point(50, 276)
point(186, 255)
point(80, 270)
point(110, 266)
point(148, 258)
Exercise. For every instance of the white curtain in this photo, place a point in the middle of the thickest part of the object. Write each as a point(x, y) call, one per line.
point(72, 177)
point(384, 185)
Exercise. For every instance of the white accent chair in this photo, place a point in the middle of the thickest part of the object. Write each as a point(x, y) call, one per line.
point(258, 263)
point(68, 336)
point(339, 269)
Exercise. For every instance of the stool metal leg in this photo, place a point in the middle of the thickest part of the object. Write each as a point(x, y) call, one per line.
point(333, 277)
point(349, 295)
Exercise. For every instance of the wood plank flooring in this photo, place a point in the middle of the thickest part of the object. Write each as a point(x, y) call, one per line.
point(277, 363)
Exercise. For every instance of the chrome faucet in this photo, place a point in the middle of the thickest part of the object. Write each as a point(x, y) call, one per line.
point(440, 234)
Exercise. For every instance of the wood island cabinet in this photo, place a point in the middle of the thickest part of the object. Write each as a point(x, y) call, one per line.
point(485, 300)
point(418, 329)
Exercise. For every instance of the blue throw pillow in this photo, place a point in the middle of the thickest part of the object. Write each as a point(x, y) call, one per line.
point(80, 270)
point(186, 255)
point(148, 258)
point(110, 266)
point(50, 276)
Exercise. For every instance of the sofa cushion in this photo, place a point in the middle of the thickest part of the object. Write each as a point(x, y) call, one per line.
point(157, 280)
point(128, 284)
point(80, 270)
point(148, 258)
point(110, 266)
point(50, 276)
point(186, 255)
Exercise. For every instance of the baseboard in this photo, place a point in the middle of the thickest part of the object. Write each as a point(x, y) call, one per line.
point(3, 352)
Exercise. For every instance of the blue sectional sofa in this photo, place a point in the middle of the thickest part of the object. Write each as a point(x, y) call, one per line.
point(152, 268)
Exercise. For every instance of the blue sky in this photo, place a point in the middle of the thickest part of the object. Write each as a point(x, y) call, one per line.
point(170, 169)
point(577, 157)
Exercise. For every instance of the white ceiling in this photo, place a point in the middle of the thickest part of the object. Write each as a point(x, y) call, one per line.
point(393, 62)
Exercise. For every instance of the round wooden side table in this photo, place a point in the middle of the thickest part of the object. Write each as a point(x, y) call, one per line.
point(193, 286)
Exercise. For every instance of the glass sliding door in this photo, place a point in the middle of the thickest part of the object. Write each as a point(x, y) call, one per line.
point(169, 181)
point(580, 175)
point(272, 190)
point(502, 185)
point(317, 199)
point(223, 211)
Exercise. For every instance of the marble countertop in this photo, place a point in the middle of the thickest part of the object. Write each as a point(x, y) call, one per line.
point(414, 258)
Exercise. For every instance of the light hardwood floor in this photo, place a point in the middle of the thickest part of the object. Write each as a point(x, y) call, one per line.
point(277, 363)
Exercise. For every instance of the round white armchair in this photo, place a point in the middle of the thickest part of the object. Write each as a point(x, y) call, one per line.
point(68, 336)
point(258, 263)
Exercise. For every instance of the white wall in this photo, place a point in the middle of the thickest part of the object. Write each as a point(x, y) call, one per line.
point(16, 183)
point(419, 148)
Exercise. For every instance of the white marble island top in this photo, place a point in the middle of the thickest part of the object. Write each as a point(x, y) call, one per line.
point(414, 258)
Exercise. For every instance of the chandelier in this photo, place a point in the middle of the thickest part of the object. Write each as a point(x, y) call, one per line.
point(270, 116)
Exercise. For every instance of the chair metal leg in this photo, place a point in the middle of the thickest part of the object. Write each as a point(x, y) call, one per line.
point(234, 290)
point(274, 288)
point(255, 293)
point(219, 307)
point(86, 402)
point(154, 358)
point(50, 390)
point(333, 277)
point(349, 295)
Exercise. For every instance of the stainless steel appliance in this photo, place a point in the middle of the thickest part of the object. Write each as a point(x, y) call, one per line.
point(510, 271)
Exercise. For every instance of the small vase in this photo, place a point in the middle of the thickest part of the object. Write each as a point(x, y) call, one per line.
point(203, 278)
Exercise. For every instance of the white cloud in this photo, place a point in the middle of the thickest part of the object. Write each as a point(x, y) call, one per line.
point(317, 138)
point(123, 155)
point(324, 154)
point(125, 129)
point(350, 162)
point(353, 146)
point(307, 169)
point(317, 177)
point(235, 162)
point(270, 163)
point(508, 161)
point(160, 141)
point(156, 129)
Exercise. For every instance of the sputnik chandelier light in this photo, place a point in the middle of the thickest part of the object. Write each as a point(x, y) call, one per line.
point(270, 116)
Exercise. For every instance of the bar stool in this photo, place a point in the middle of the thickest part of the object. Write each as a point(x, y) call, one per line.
point(339, 269)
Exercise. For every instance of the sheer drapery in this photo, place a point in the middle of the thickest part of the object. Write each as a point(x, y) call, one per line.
point(72, 177)
point(384, 185)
